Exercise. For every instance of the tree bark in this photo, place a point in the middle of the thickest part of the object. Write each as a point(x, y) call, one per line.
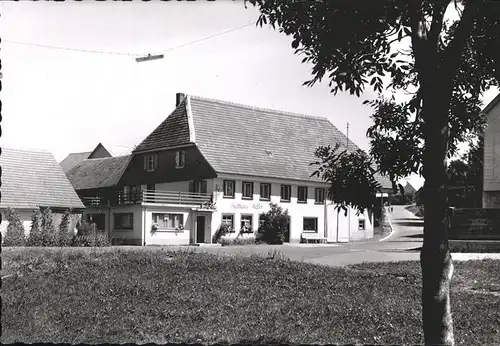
point(435, 257)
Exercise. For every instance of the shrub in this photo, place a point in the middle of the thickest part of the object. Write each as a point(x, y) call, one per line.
point(15, 230)
point(90, 236)
point(48, 230)
point(274, 225)
point(35, 236)
point(63, 238)
point(223, 230)
point(238, 241)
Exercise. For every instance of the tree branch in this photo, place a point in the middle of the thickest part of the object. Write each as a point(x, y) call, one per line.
point(452, 55)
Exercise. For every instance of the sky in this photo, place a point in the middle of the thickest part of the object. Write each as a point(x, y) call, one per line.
point(67, 101)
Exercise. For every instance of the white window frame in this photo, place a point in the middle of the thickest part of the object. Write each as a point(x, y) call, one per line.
point(228, 216)
point(248, 217)
point(224, 188)
point(151, 162)
point(180, 158)
point(244, 185)
point(361, 224)
point(322, 193)
point(298, 194)
point(287, 188)
point(269, 191)
point(315, 224)
point(178, 219)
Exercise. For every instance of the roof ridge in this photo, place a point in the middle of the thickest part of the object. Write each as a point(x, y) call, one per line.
point(308, 116)
point(107, 158)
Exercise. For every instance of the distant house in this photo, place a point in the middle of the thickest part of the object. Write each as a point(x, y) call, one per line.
point(32, 180)
point(409, 191)
point(212, 162)
point(74, 158)
point(491, 170)
point(95, 180)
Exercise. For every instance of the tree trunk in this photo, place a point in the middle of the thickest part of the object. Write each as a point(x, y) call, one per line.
point(435, 257)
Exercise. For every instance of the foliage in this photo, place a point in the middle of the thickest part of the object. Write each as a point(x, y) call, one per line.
point(465, 177)
point(90, 235)
point(237, 241)
point(351, 176)
point(453, 58)
point(274, 225)
point(48, 234)
point(35, 235)
point(63, 234)
point(14, 236)
point(223, 230)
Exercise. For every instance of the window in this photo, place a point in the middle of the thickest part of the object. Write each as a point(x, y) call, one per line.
point(124, 220)
point(286, 191)
point(150, 187)
point(361, 224)
point(302, 194)
point(319, 195)
point(228, 188)
point(151, 162)
point(180, 158)
point(168, 221)
point(200, 186)
point(310, 224)
point(228, 220)
point(265, 191)
point(246, 221)
point(247, 189)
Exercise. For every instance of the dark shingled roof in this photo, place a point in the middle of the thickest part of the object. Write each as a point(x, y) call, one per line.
point(98, 173)
point(31, 179)
point(240, 139)
point(73, 159)
point(174, 130)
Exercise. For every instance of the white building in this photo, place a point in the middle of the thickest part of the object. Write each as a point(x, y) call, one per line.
point(491, 185)
point(32, 180)
point(214, 161)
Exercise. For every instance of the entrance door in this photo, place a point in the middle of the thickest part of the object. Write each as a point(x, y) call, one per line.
point(200, 229)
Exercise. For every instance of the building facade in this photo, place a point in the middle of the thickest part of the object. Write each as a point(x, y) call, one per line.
point(212, 162)
point(491, 170)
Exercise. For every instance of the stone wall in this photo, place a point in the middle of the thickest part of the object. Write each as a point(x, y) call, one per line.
point(475, 224)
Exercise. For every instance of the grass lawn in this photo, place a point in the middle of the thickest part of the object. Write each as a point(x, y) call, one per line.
point(184, 297)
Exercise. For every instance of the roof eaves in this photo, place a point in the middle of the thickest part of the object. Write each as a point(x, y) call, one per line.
point(192, 133)
point(490, 105)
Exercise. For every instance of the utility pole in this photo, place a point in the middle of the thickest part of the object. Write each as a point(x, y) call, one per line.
point(347, 137)
point(349, 212)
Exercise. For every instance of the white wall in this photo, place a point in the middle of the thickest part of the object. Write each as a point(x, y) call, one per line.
point(168, 237)
point(238, 206)
point(25, 215)
point(136, 232)
point(492, 155)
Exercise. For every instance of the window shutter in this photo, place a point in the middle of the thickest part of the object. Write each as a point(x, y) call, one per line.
point(157, 160)
point(204, 186)
point(145, 162)
point(191, 186)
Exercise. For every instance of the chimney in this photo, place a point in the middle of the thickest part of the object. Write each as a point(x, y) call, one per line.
point(178, 98)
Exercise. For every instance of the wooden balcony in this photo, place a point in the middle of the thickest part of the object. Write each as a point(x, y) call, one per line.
point(151, 197)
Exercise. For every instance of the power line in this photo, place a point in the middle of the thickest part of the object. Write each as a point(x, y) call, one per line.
point(121, 53)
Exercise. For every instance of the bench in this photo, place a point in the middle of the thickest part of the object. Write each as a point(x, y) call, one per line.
point(313, 238)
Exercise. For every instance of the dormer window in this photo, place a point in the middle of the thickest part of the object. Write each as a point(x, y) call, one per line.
point(151, 162)
point(180, 158)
